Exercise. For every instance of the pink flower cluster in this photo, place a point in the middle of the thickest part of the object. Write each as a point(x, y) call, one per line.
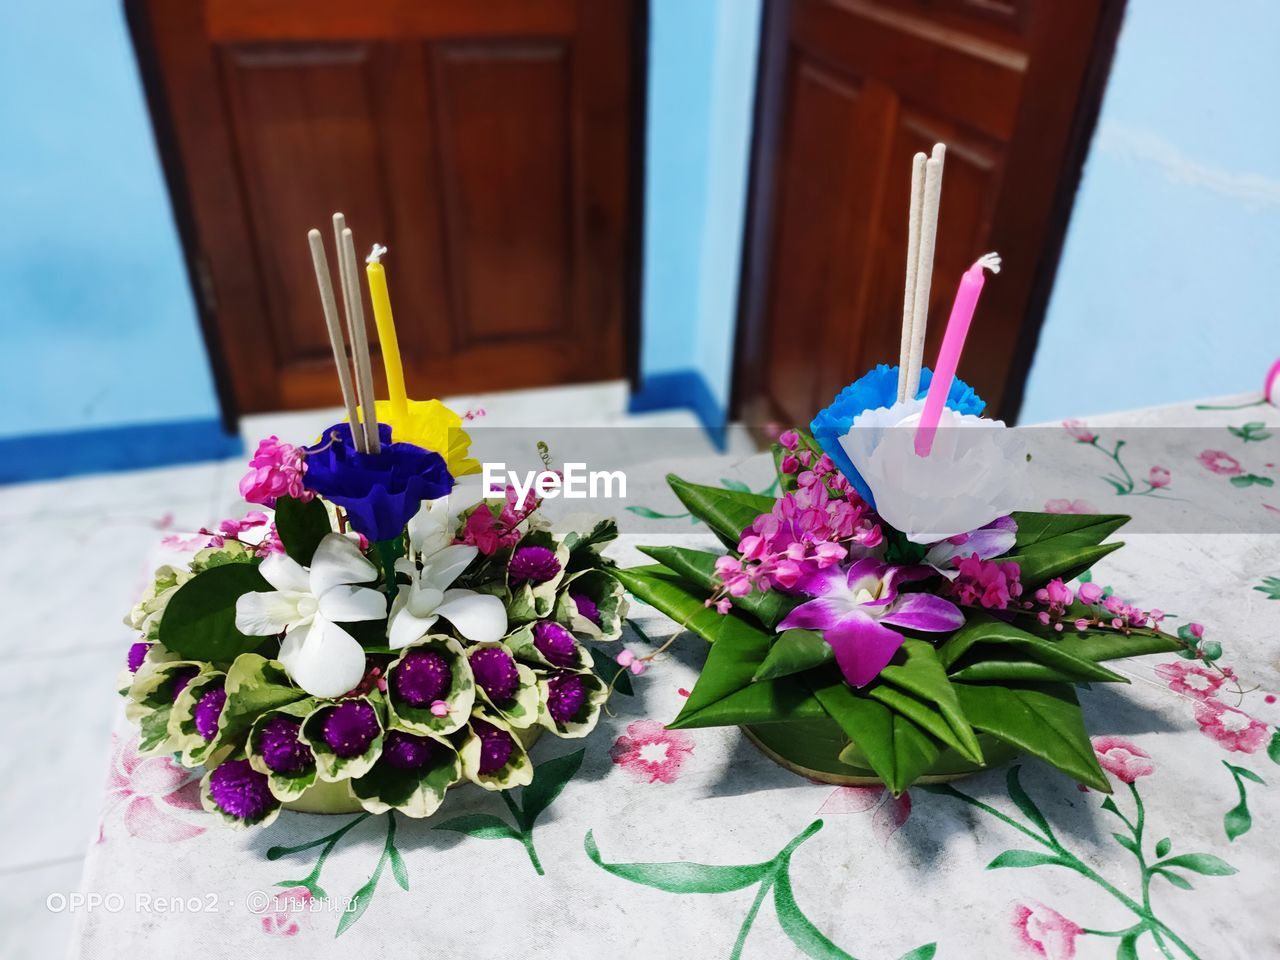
point(491, 534)
point(277, 470)
point(986, 583)
point(811, 529)
point(1056, 599)
point(232, 529)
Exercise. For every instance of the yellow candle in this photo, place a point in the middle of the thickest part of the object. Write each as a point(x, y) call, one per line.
point(386, 330)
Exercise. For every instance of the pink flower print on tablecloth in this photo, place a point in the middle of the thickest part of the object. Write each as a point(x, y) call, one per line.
point(1069, 506)
point(890, 814)
point(1122, 759)
point(650, 752)
point(1079, 431)
point(149, 790)
point(1044, 932)
point(1190, 680)
point(287, 912)
point(1159, 476)
point(1233, 729)
point(1220, 462)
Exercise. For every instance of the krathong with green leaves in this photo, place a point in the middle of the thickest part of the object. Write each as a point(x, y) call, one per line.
point(890, 617)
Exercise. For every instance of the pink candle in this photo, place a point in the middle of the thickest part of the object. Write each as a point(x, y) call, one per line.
point(944, 371)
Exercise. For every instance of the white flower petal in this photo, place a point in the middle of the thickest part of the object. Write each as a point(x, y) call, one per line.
point(284, 573)
point(447, 565)
point(975, 473)
point(345, 603)
point(479, 617)
point(405, 629)
point(267, 613)
point(338, 560)
point(431, 528)
point(326, 661)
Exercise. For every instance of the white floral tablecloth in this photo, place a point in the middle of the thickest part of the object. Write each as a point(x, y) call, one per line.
point(693, 844)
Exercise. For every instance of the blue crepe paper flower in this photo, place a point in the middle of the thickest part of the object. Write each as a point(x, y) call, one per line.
point(380, 491)
point(877, 388)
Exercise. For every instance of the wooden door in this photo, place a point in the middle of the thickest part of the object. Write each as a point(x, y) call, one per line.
point(489, 145)
point(849, 90)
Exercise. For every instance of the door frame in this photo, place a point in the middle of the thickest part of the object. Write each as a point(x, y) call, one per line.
point(142, 36)
point(756, 277)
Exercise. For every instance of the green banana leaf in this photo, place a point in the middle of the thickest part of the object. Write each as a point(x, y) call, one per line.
point(700, 567)
point(726, 512)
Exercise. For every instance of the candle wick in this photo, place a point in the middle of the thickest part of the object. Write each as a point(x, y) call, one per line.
point(991, 261)
point(379, 251)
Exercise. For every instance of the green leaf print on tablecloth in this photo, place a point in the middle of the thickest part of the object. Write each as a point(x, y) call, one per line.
point(1238, 820)
point(1127, 764)
point(549, 778)
point(1255, 431)
point(683, 877)
point(1270, 586)
point(359, 901)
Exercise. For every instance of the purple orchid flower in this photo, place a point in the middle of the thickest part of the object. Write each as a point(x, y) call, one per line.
point(855, 609)
point(993, 540)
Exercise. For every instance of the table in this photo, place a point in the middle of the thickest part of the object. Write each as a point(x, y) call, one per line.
point(693, 844)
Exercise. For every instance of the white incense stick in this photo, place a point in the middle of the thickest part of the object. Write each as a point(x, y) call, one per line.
point(924, 269)
point(355, 330)
point(358, 432)
point(913, 254)
point(336, 340)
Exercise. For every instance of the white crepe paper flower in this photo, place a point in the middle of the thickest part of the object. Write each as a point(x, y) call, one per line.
point(309, 603)
point(434, 562)
point(976, 472)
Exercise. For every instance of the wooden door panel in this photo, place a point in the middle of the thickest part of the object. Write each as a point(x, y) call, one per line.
point(305, 134)
point(506, 173)
point(809, 222)
point(1002, 83)
point(489, 146)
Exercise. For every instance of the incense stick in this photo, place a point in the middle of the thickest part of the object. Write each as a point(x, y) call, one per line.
point(360, 346)
point(924, 268)
point(913, 254)
point(324, 283)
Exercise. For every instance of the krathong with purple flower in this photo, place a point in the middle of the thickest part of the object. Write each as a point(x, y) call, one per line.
point(890, 615)
point(365, 642)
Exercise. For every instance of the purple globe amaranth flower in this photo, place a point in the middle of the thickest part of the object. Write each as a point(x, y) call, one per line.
point(208, 710)
point(281, 747)
point(137, 653)
point(380, 491)
point(350, 727)
point(566, 693)
point(555, 643)
point(240, 790)
point(181, 678)
point(855, 608)
point(422, 678)
point(532, 565)
point(496, 746)
point(586, 607)
point(874, 389)
point(404, 751)
point(495, 672)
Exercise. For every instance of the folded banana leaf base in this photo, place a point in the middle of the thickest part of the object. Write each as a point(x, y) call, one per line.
point(819, 750)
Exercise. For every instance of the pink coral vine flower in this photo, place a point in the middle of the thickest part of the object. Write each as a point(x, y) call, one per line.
point(1190, 680)
point(1122, 759)
point(1233, 729)
point(1220, 462)
point(1044, 932)
point(650, 752)
point(986, 583)
point(857, 609)
point(276, 471)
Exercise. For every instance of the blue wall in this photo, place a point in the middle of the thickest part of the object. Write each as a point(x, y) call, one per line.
point(702, 60)
point(99, 325)
point(1169, 286)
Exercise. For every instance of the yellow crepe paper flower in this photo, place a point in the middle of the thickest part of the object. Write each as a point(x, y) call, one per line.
point(433, 426)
